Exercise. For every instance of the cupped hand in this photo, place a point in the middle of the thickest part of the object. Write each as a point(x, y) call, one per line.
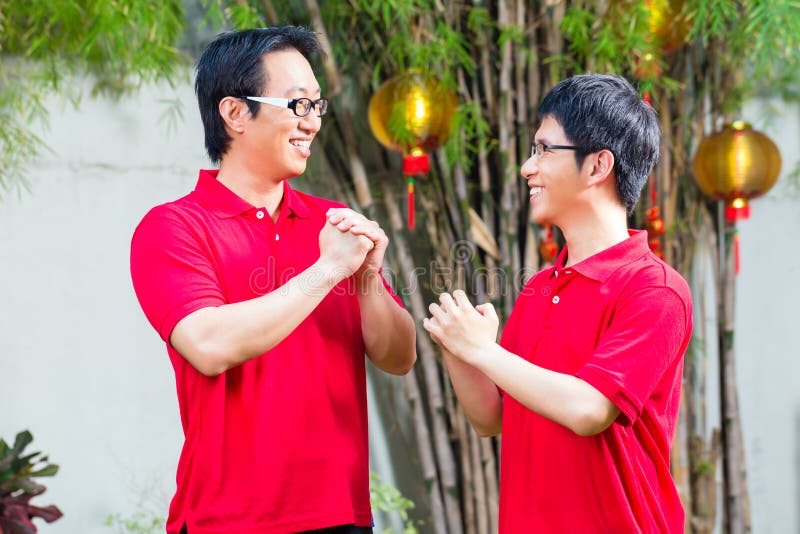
point(463, 330)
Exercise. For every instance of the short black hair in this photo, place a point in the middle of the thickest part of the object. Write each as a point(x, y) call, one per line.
point(231, 66)
point(603, 111)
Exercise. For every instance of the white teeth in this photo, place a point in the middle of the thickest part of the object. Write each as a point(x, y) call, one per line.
point(297, 142)
point(535, 190)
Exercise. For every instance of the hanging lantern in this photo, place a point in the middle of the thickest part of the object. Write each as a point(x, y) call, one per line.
point(548, 249)
point(655, 229)
point(735, 165)
point(669, 24)
point(411, 114)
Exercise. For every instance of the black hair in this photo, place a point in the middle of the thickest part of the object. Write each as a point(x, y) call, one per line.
point(602, 111)
point(231, 66)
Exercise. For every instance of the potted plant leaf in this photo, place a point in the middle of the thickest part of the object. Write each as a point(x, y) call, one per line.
point(17, 487)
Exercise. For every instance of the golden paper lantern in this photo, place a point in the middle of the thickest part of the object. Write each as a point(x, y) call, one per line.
point(669, 24)
point(735, 165)
point(411, 114)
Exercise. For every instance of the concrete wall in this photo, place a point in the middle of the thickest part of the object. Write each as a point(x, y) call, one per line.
point(81, 368)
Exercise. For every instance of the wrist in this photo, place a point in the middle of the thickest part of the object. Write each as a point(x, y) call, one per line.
point(481, 356)
point(369, 280)
point(327, 272)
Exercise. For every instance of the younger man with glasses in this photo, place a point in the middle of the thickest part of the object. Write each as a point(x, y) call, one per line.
point(585, 383)
point(267, 299)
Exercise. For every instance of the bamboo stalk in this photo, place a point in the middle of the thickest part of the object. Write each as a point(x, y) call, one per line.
point(737, 520)
point(481, 504)
point(421, 428)
point(469, 474)
point(489, 460)
point(356, 166)
point(430, 370)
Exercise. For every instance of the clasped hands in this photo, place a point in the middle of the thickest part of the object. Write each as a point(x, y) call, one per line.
point(353, 242)
point(465, 331)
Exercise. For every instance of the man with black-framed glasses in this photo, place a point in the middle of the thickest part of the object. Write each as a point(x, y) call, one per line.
point(268, 300)
point(586, 380)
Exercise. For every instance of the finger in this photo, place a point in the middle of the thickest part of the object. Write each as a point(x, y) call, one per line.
point(373, 233)
point(447, 302)
point(367, 242)
point(433, 329)
point(436, 311)
point(461, 299)
point(487, 310)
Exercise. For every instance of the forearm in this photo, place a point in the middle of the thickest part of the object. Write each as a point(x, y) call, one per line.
point(388, 330)
point(560, 397)
point(216, 339)
point(477, 394)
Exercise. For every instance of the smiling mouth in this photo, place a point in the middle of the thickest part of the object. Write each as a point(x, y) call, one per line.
point(536, 191)
point(300, 143)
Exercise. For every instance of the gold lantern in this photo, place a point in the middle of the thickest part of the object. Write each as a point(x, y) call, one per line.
point(669, 24)
point(411, 114)
point(735, 165)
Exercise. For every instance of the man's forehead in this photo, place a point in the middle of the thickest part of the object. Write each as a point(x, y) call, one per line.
point(289, 73)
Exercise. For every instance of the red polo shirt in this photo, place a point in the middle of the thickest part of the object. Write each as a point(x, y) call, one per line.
point(620, 320)
point(279, 443)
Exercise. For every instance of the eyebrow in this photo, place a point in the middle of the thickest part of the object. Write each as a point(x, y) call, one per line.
point(303, 90)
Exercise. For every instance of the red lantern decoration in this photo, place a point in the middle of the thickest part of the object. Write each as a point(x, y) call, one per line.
point(548, 248)
point(411, 114)
point(655, 229)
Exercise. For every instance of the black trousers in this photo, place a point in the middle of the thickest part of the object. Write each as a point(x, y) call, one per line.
point(342, 529)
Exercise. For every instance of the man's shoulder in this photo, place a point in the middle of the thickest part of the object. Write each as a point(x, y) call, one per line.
point(651, 272)
point(174, 209)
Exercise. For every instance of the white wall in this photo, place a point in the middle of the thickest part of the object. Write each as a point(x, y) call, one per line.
point(81, 368)
point(766, 338)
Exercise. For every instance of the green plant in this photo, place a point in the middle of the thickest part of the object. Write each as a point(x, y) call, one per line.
point(17, 486)
point(387, 498)
point(138, 523)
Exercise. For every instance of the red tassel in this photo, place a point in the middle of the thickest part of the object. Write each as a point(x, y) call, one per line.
point(410, 202)
point(736, 258)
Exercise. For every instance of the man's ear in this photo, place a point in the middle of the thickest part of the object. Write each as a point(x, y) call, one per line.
point(234, 112)
point(601, 166)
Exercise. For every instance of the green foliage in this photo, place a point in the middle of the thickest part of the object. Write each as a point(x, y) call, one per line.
point(387, 498)
point(137, 523)
point(121, 44)
point(17, 486)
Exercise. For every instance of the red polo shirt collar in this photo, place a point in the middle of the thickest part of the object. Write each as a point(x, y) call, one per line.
point(603, 264)
point(224, 203)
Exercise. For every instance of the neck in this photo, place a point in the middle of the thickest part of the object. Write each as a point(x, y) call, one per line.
point(594, 232)
point(254, 187)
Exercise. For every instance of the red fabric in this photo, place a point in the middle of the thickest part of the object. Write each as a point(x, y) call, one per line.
point(278, 444)
point(621, 321)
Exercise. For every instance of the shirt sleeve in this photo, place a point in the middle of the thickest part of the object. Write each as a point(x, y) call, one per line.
point(647, 333)
point(172, 272)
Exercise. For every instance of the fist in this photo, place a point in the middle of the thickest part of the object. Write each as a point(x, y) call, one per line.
point(345, 251)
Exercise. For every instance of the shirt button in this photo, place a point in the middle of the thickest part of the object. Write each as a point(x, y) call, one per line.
point(259, 215)
point(277, 237)
point(556, 299)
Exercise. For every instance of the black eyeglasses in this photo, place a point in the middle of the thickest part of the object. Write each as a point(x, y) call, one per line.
point(539, 148)
point(300, 106)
